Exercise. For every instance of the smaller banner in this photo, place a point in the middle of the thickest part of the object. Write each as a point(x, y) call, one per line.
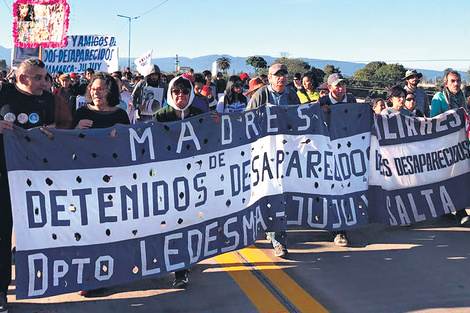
point(98, 52)
point(18, 55)
point(143, 62)
point(40, 23)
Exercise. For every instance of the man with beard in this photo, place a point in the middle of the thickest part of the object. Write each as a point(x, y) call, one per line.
point(152, 80)
point(411, 86)
point(450, 98)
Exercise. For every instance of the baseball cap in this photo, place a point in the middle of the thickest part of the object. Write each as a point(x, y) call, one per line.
point(335, 79)
point(276, 67)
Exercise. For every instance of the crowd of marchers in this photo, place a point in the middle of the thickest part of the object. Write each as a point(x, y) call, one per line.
point(32, 97)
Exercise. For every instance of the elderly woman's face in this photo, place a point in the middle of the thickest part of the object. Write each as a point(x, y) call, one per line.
point(180, 96)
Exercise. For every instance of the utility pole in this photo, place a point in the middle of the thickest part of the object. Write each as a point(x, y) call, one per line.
point(129, 52)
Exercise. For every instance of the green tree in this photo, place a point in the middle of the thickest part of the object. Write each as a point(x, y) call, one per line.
point(294, 65)
point(389, 75)
point(366, 74)
point(257, 63)
point(223, 64)
point(330, 69)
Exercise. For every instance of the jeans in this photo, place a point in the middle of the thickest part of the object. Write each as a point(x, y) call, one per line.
point(278, 238)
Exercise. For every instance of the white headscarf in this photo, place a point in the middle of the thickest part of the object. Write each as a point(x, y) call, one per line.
point(169, 96)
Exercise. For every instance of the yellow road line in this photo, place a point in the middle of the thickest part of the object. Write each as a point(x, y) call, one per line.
point(258, 294)
point(283, 282)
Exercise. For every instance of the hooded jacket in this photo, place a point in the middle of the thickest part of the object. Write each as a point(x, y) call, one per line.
point(138, 92)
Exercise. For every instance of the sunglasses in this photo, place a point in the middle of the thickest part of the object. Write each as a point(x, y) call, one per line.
point(410, 99)
point(178, 91)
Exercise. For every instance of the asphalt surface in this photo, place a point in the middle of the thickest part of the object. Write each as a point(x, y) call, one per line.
point(420, 268)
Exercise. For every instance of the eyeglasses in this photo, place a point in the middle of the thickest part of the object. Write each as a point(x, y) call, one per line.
point(178, 91)
point(455, 80)
point(280, 74)
point(98, 89)
point(410, 99)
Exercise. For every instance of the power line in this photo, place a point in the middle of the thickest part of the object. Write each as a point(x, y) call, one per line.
point(9, 8)
point(152, 9)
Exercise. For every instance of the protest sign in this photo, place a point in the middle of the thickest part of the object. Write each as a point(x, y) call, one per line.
point(40, 23)
point(152, 99)
point(98, 52)
point(143, 63)
point(97, 210)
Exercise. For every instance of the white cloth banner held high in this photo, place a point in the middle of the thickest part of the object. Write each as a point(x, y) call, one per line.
point(143, 62)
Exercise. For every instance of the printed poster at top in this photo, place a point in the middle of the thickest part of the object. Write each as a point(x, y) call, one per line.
point(40, 23)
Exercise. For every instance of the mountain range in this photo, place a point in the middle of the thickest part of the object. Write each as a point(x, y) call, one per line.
point(238, 65)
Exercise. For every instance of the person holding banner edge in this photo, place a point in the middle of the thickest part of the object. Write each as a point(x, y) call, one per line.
point(26, 105)
point(277, 93)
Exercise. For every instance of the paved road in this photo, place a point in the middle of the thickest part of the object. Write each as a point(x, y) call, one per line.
point(423, 268)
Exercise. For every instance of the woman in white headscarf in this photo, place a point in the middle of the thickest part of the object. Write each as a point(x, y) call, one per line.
point(181, 102)
point(181, 105)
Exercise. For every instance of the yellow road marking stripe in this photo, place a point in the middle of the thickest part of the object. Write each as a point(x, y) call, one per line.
point(284, 283)
point(258, 294)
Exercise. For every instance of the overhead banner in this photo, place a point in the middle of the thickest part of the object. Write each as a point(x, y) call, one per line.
point(98, 52)
point(101, 207)
point(40, 23)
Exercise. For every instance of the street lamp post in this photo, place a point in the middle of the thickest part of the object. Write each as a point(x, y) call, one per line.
point(129, 52)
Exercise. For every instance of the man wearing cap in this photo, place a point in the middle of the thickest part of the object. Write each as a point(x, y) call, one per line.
point(276, 91)
point(144, 87)
point(411, 86)
point(337, 92)
point(336, 85)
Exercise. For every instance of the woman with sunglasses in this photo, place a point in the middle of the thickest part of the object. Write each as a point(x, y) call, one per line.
point(233, 100)
point(180, 98)
point(102, 109)
point(409, 108)
point(181, 102)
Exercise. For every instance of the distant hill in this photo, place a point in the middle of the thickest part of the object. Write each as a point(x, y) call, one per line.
point(238, 65)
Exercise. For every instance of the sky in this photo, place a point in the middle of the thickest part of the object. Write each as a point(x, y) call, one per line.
point(426, 34)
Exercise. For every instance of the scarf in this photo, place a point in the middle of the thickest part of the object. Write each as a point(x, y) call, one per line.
point(455, 101)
